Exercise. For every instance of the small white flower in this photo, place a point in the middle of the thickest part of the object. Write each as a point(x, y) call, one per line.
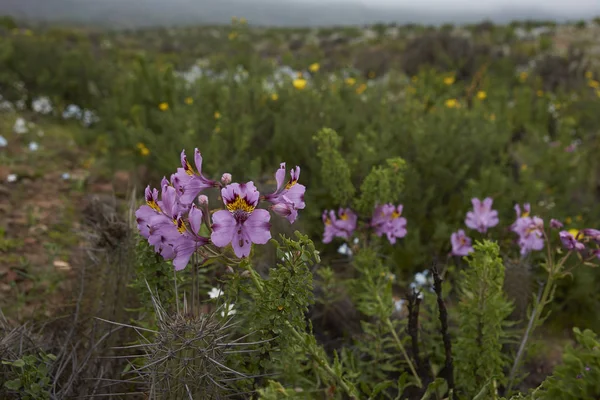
point(344, 249)
point(286, 256)
point(33, 146)
point(66, 176)
point(355, 240)
point(11, 178)
point(20, 126)
point(229, 310)
point(40, 133)
point(42, 105)
point(398, 304)
point(3, 141)
point(214, 293)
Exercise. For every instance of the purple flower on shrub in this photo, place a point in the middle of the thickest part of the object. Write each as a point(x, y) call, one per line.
point(570, 242)
point(556, 224)
point(461, 243)
point(288, 198)
point(342, 225)
point(157, 220)
point(241, 224)
point(189, 240)
point(523, 219)
point(593, 234)
point(387, 219)
point(531, 236)
point(482, 217)
point(188, 182)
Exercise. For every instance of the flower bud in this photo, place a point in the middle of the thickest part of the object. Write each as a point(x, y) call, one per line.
point(245, 274)
point(229, 270)
point(556, 224)
point(226, 178)
point(203, 200)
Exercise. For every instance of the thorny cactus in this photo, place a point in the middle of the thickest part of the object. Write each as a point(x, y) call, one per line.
point(187, 356)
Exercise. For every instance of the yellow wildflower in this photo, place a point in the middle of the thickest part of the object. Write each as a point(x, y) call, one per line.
point(371, 74)
point(589, 75)
point(314, 67)
point(350, 81)
point(217, 129)
point(299, 83)
point(568, 220)
point(481, 95)
point(524, 167)
point(523, 76)
point(579, 218)
point(492, 117)
point(361, 88)
point(144, 151)
point(573, 232)
point(274, 97)
point(449, 80)
point(540, 93)
point(217, 115)
point(232, 35)
point(189, 100)
point(451, 103)
point(163, 106)
point(594, 84)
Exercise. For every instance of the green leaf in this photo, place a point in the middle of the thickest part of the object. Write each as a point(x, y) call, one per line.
point(15, 384)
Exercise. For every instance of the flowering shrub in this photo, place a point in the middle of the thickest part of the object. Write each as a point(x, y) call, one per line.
point(173, 223)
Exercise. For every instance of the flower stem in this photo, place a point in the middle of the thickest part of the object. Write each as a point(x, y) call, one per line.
point(390, 326)
point(392, 330)
point(322, 363)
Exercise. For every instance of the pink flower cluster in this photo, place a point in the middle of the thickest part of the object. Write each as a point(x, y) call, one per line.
point(172, 223)
point(386, 220)
point(530, 230)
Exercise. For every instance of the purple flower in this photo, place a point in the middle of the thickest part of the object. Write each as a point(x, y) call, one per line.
point(290, 194)
point(482, 217)
point(189, 241)
point(555, 224)
point(387, 220)
point(341, 226)
point(570, 242)
point(461, 243)
point(157, 220)
point(286, 209)
point(531, 237)
point(242, 223)
point(523, 219)
point(190, 183)
point(593, 234)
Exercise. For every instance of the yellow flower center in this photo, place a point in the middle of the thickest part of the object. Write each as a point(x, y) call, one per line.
point(291, 183)
point(180, 225)
point(395, 214)
point(574, 232)
point(240, 204)
point(188, 168)
point(525, 214)
point(344, 216)
point(153, 205)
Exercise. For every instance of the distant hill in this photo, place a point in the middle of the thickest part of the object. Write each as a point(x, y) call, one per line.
point(140, 13)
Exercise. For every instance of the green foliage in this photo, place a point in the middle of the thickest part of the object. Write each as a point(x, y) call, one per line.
point(578, 377)
point(383, 185)
point(483, 310)
point(32, 376)
point(335, 172)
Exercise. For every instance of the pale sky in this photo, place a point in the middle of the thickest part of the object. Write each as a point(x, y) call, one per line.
point(567, 6)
